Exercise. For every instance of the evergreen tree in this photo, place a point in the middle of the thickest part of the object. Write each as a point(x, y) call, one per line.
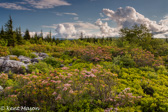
point(27, 35)
point(10, 35)
point(19, 36)
point(2, 31)
point(35, 38)
point(48, 38)
point(41, 35)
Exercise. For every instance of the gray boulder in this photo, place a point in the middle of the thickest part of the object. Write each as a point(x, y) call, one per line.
point(2, 57)
point(24, 59)
point(44, 55)
point(13, 66)
point(1, 62)
point(36, 60)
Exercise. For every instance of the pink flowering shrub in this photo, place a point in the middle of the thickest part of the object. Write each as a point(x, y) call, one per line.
point(62, 86)
point(145, 58)
point(95, 54)
point(73, 88)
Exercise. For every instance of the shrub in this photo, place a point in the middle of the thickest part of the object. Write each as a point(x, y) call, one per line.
point(40, 67)
point(52, 61)
point(3, 42)
point(142, 57)
point(95, 54)
point(4, 51)
point(18, 51)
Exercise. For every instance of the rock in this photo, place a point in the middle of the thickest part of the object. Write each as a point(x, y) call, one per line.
point(1, 62)
point(36, 60)
point(24, 59)
point(7, 58)
point(37, 54)
point(2, 57)
point(44, 55)
point(62, 65)
point(1, 88)
point(13, 66)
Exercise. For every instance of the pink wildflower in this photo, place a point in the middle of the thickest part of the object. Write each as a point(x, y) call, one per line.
point(58, 97)
point(8, 88)
point(53, 81)
point(58, 81)
point(54, 93)
point(67, 85)
point(34, 76)
point(65, 88)
point(71, 91)
point(56, 77)
point(69, 74)
point(69, 81)
point(64, 68)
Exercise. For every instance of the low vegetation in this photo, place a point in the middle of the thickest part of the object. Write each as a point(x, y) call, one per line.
point(127, 74)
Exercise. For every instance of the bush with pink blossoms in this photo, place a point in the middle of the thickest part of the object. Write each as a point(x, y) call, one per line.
point(95, 54)
point(145, 58)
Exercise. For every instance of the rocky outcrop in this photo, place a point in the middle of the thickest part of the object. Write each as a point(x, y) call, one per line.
point(24, 59)
point(13, 66)
point(20, 65)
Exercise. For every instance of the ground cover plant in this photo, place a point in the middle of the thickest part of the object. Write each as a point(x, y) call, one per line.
point(89, 75)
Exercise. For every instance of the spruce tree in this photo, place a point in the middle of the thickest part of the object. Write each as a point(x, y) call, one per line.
point(27, 35)
point(19, 36)
point(10, 34)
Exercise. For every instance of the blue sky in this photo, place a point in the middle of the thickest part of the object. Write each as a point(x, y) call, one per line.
point(70, 17)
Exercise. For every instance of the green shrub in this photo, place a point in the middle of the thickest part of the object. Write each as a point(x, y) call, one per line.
point(124, 61)
point(42, 67)
point(147, 68)
point(3, 42)
point(52, 61)
point(18, 51)
point(4, 51)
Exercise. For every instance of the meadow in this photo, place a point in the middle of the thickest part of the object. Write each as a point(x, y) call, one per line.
point(125, 74)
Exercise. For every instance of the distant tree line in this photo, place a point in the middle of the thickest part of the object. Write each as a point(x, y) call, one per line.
point(11, 37)
point(139, 35)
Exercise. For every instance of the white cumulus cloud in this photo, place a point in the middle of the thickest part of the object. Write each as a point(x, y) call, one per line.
point(73, 30)
point(106, 30)
point(128, 17)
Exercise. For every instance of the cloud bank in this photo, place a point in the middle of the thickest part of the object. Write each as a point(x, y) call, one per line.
point(73, 30)
point(128, 17)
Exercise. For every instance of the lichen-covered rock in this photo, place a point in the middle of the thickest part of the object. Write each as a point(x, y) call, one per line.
point(36, 60)
point(44, 55)
point(24, 59)
point(13, 66)
point(1, 62)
